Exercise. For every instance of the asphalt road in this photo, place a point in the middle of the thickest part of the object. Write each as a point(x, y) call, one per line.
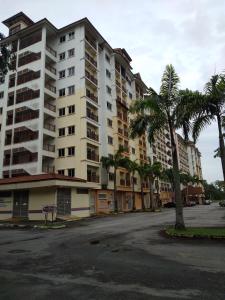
point(119, 257)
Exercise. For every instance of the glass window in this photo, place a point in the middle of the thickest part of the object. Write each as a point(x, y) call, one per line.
point(71, 90)
point(61, 111)
point(61, 152)
point(71, 151)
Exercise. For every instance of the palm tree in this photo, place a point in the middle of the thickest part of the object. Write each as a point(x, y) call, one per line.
point(153, 171)
point(6, 59)
point(117, 160)
point(210, 108)
point(158, 112)
point(132, 167)
point(142, 171)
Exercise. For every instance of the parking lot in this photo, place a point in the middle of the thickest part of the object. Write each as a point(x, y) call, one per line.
point(116, 257)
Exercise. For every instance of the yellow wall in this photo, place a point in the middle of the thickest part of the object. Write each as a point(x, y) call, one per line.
point(6, 205)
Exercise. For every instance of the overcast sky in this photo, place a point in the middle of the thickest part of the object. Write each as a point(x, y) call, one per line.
point(190, 34)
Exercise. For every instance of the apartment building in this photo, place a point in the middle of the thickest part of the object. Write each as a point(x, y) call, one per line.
point(63, 107)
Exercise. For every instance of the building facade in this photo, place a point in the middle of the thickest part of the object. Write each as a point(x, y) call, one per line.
point(65, 105)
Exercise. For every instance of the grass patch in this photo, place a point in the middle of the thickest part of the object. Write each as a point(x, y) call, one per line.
point(197, 232)
point(51, 226)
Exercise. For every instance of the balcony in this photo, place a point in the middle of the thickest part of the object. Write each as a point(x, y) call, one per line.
point(26, 115)
point(30, 40)
point(28, 57)
point(91, 44)
point(91, 115)
point(50, 106)
point(92, 135)
point(91, 78)
point(51, 69)
point(91, 96)
point(120, 131)
point(91, 60)
point(12, 81)
point(91, 155)
point(27, 76)
point(25, 135)
point(48, 169)
point(26, 95)
point(50, 50)
point(48, 147)
point(24, 157)
point(92, 177)
point(118, 83)
point(49, 127)
point(50, 88)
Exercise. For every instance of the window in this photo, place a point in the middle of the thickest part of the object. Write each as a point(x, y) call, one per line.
point(61, 131)
point(71, 71)
point(62, 39)
point(108, 74)
point(71, 35)
point(82, 191)
point(135, 180)
point(108, 89)
point(71, 130)
point(61, 111)
point(1, 95)
point(109, 122)
point(1, 110)
point(62, 74)
point(62, 56)
point(109, 106)
point(71, 172)
point(133, 150)
point(110, 140)
point(71, 53)
point(71, 90)
point(130, 96)
point(107, 58)
point(71, 151)
point(61, 152)
point(61, 172)
point(71, 109)
point(62, 92)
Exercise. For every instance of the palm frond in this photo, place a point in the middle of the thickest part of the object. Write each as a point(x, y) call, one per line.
point(199, 124)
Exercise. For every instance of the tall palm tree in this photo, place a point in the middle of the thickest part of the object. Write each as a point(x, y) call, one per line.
point(158, 111)
point(153, 171)
point(211, 108)
point(142, 171)
point(132, 167)
point(117, 160)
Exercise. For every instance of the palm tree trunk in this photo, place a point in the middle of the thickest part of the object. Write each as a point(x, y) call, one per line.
point(133, 193)
point(179, 224)
point(115, 192)
point(221, 143)
point(142, 196)
point(152, 200)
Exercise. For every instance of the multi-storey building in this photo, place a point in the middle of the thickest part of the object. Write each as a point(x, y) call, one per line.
point(182, 154)
point(63, 107)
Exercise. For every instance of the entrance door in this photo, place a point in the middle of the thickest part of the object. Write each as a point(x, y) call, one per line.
point(20, 204)
point(64, 201)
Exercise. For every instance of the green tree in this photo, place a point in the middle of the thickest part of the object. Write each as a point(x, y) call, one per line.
point(153, 171)
point(6, 59)
point(117, 160)
point(211, 108)
point(159, 111)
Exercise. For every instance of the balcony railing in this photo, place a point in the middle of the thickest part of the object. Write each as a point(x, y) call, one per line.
point(92, 135)
point(51, 69)
point(30, 40)
point(118, 83)
point(24, 136)
point(92, 177)
point(91, 59)
point(50, 50)
point(50, 106)
point(120, 131)
point(30, 57)
point(48, 147)
point(49, 127)
point(27, 95)
point(91, 77)
point(92, 43)
point(92, 156)
point(26, 115)
point(48, 169)
point(91, 96)
point(91, 115)
point(12, 82)
point(50, 87)
point(28, 76)
point(22, 159)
